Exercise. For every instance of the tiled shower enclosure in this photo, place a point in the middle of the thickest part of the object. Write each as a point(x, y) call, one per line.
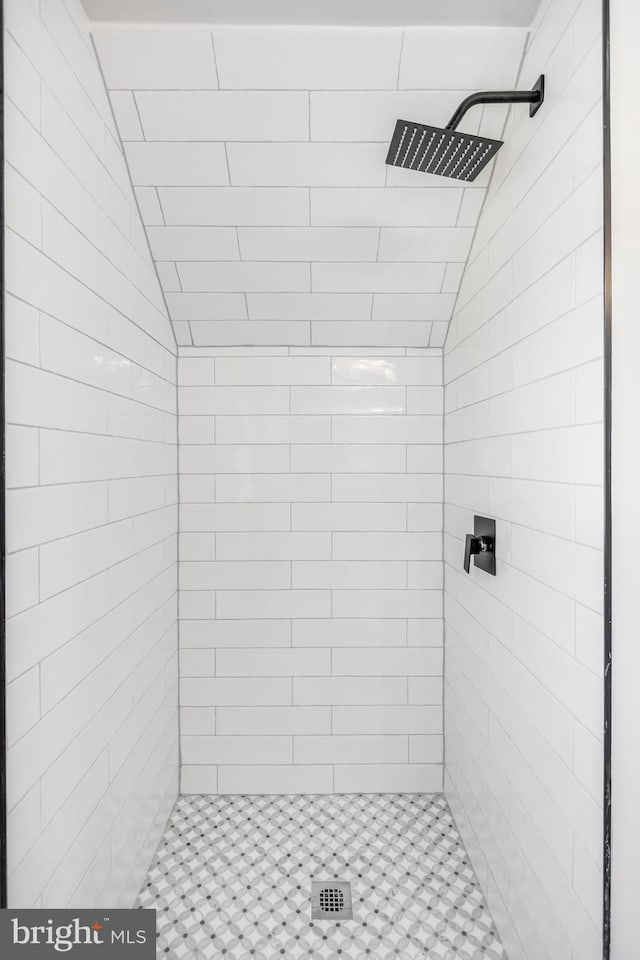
point(258, 385)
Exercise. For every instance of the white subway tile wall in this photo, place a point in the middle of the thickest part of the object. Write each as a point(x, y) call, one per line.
point(92, 767)
point(523, 443)
point(258, 154)
point(311, 570)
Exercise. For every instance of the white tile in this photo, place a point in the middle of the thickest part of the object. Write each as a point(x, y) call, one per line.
point(234, 206)
point(22, 581)
point(361, 690)
point(23, 704)
point(306, 164)
point(589, 639)
point(388, 778)
point(425, 244)
point(197, 663)
point(273, 663)
point(387, 487)
point(39, 514)
point(345, 749)
point(428, 633)
point(348, 516)
point(265, 488)
point(375, 334)
point(255, 517)
point(378, 277)
point(571, 455)
point(270, 429)
point(22, 331)
point(424, 516)
point(309, 306)
point(589, 400)
point(307, 243)
point(234, 575)
point(348, 633)
point(375, 429)
point(231, 400)
point(198, 779)
point(273, 546)
point(229, 633)
point(425, 749)
point(233, 458)
point(23, 827)
point(126, 114)
point(149, 204)
point(194, 243)
point(387, 546)
point(424, 458)
point(225, 115)
point(196, 720)
point(452, 277)
point(401, 308)
point(460, 59)
point(254, 371)
point(371, 115)
point(177, 164)
point(24, 88)
point(196, 371)
point(168, 276)
point(387, 603)
point(397, 206)
point(347, 400)
point(278, 779)
point(337, 574)
point(387, 720)
point(385, 370)
point(221, 749)
point(232, 691)
point(23, 208)
point(571, 568)
point(361, 458)
point(388, 663)
point(199, 307)
point(425, 690)
point(232, 277)
point(144, 59)
point(264, 721)
point(238, 333)
point(273, 604)
point(470, 207)
point(312, 58)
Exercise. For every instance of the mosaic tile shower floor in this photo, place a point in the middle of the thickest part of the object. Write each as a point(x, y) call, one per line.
point(232, 876)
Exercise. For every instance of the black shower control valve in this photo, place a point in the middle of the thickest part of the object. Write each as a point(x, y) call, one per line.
point(471, 545)
point(481, 545)
point(476, 545)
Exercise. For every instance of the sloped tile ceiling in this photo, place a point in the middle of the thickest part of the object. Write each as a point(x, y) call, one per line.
point(258, 154)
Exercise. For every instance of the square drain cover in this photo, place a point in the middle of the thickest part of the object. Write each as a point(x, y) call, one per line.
point(331, 900)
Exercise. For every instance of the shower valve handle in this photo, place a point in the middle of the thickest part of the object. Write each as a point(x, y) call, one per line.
point(474, 545)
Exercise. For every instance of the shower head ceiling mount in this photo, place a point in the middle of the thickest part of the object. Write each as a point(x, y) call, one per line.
point(447, 152)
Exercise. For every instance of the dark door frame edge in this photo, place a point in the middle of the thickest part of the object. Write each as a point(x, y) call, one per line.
point(607, 353)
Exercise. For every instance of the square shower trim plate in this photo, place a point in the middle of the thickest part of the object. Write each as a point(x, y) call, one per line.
point(331, 900)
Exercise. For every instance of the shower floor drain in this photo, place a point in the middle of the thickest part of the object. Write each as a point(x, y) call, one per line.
point(331, 900)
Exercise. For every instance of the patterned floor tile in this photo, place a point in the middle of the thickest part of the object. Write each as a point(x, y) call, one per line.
point(231, 880)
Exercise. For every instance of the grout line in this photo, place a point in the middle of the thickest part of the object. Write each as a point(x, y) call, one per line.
point(215, 59)
point(137, 109)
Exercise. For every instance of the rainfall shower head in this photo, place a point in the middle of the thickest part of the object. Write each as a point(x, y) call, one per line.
point(447, 152)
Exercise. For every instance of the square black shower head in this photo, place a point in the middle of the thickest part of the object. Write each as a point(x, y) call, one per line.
point(445, 152)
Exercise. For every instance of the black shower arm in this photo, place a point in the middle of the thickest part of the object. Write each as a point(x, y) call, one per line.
point(533, 97)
